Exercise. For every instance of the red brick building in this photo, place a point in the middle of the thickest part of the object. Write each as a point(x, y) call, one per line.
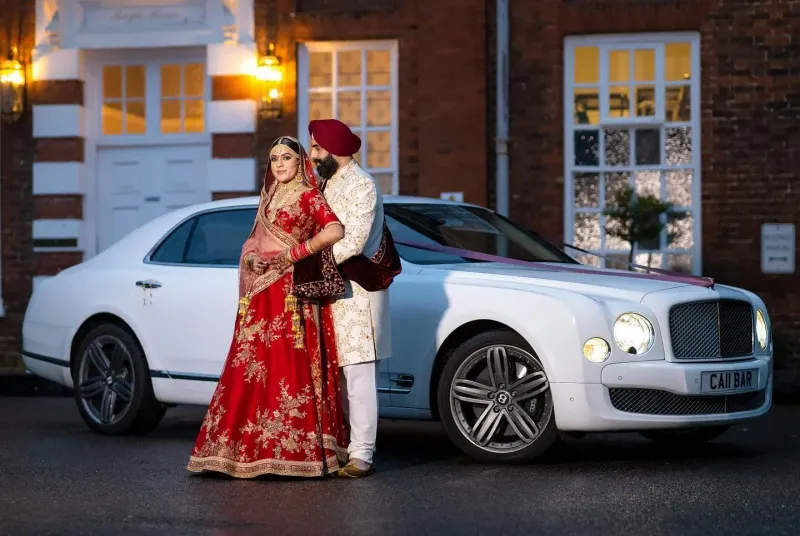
point(692, 100)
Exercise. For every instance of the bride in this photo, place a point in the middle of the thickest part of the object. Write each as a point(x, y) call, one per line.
point(277, 409)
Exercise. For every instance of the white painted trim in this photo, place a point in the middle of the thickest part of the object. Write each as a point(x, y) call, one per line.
point(66, 228)
point(656, 41)
point(222, 60)
point(58, 120)
point(304, 49)
point(697, 150)
point(231, 116)
point(232, 174)
point(62, 64)
point(51, 178)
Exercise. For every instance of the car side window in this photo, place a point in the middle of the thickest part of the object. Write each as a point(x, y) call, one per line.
point(218, 237)
point(173, 249)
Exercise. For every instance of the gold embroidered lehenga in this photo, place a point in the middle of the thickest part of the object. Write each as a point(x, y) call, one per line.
point(277, 409)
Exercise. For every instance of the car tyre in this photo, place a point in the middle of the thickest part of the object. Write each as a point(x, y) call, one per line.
point(523, 426)
point(682, 438)
point(112, 385)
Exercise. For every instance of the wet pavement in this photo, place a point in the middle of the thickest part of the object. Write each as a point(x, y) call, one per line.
point(57, 477)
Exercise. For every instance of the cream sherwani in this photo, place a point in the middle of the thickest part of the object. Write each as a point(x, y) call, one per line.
point(361, 318)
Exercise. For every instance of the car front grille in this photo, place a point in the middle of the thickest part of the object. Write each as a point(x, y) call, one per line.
point(711, 329)
point(656, 402)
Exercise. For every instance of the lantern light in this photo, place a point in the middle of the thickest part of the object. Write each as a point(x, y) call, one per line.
point(269, 76)
point(12, 88)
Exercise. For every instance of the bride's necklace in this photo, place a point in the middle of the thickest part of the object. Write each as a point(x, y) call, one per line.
point(281, 197)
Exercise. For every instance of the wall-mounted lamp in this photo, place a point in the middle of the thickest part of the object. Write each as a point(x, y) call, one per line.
point(12, 87)
point(269, 80)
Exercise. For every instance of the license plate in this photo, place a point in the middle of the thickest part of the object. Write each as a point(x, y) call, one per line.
point(729, 382)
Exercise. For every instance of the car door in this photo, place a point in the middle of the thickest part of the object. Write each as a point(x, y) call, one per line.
point(193, 302)
point(417, 306)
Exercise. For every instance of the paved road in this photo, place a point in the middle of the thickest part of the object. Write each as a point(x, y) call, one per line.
point(56, 477)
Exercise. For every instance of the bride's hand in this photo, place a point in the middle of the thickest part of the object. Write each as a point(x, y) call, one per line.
point(281, 262)
point(260, 266)
point(257, 265)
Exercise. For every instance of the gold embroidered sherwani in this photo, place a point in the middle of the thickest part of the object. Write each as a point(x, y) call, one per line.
point(360, 318)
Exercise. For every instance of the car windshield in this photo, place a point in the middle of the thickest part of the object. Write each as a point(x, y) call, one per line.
point(464, 227)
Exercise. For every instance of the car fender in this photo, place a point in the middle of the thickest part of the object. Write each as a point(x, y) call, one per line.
point(554, 322)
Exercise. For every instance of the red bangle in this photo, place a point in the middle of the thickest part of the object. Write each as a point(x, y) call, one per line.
point(296, 253)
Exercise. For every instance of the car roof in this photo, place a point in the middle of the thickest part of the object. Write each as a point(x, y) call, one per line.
point(139, 242)
point(253, 201)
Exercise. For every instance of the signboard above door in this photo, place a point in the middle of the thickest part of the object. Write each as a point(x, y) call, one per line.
point(115, 24)
point(114, 17)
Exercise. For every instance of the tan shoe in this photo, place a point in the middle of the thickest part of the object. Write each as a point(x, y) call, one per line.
point(356, 468)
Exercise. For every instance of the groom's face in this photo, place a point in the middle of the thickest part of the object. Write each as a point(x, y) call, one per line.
point(324, 161)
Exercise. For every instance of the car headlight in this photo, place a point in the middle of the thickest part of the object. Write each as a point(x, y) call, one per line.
point(596, 350)
point(761, 330)
point(633, 333)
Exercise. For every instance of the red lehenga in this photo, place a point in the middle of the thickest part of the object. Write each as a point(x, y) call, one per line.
point(277, 409)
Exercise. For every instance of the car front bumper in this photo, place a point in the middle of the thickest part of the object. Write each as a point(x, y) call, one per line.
point(660, 395)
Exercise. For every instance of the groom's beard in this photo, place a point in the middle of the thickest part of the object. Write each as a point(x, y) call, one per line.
point(327, 166)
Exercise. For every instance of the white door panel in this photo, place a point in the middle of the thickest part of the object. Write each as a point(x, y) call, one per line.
point(138, 184)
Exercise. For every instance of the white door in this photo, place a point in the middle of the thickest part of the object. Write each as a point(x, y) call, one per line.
point(137, 184)
point(153, 149)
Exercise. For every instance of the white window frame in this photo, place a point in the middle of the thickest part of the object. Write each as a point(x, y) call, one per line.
point(152, 60)
point(605, 43)
point(304, 49)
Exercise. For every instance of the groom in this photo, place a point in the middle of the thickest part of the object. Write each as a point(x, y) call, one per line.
point(360, 317)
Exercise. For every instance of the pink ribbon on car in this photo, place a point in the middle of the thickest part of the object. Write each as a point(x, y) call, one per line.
point(656, 274)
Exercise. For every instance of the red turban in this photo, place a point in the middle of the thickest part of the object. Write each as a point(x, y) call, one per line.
point(335, 137)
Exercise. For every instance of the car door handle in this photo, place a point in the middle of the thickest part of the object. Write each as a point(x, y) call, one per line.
point(149, 283)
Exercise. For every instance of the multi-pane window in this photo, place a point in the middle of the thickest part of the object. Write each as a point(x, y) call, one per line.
point(182, 98)
point(153, 99)
point(632, 120)
point(357, 84)
point(124, 89)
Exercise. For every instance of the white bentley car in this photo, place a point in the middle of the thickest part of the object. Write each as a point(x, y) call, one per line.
point(509, 358)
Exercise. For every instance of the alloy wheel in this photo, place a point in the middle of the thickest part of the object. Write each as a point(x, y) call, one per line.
point(106, 381)
point(500, 399)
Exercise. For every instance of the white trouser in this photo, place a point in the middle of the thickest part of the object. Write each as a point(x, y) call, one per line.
point(360, 404)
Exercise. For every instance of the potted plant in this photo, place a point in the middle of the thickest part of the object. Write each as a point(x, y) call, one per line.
point(635, 219)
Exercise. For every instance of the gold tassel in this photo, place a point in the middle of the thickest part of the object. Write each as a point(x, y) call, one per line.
point(297, 329)
point(244, 304)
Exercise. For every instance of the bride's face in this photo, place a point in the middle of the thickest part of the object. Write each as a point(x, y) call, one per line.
point(284, 166)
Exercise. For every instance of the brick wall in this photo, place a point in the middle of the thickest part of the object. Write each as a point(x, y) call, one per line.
point(17, 207)
point(442, 81)
point(751, 112)
point(751, 105)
